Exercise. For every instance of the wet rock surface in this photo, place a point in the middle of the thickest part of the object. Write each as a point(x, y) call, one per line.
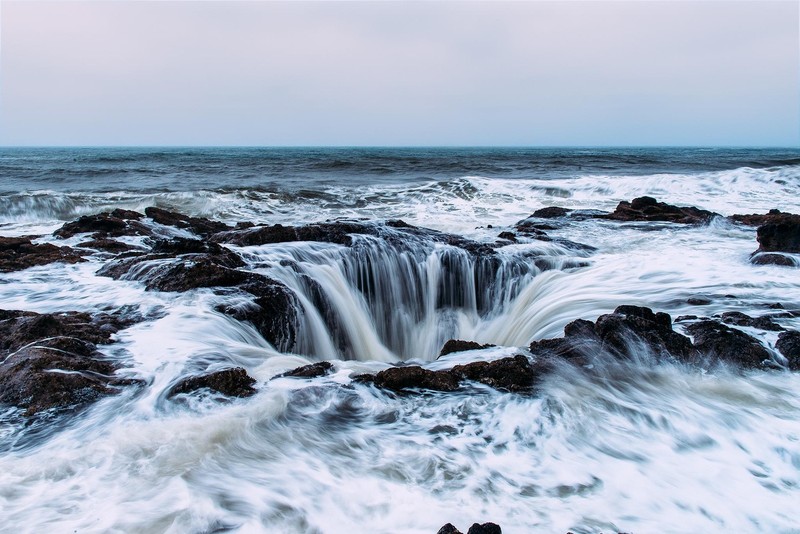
point(514, 374)
point(728, 344)
point(773, 258)
point(18, 253)
point(476, 528)
point(50, 361)
point(649, 209)
point(313, 370)
point(632, 332)
point(233, 382)
point(781, 234)
point(197, 225)
point(788, 345)
point(741, 319)
point(116, 223)
point(459, 345)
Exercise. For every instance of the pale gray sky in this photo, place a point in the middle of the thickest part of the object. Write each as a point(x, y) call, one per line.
point(398, 73)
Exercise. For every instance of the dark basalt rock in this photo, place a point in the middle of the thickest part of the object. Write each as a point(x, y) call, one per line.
point(509, 236)
point(755, 219)
point(55, 373)
point(50, 361)
point(485, 528)
point(197, 225)
point(231, 382)
point(514, 373)
point(197, 264)
point(741, 319)
point(649, 209)
point(728, 344)
point(448, 529)
point(698, 301)
point(19, 328)
point(458, 345)
point(415, 377)
point(107, 224)
point(273, 312)
point(108, 245)
point(782, 234)
point(313, 370)
point(506, 374)
point(341, 232)
point(551, 212)
point(788, 345)
point(17, 253)
point(622, 334)
point(772, 258)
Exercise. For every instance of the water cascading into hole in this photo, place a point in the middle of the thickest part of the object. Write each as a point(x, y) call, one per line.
point(389, 301)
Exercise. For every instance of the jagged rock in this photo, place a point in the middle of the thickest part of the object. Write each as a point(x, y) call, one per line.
point(622, 334)
point(341, 232)
point(19, 328)
point(773, 258)
point(741, 319)
point(727, 344)
point(231, 382)
point(197, 264)
point(507, 374)
point(197, 225)
point(788, 344)
point(514, 373)
point(458, 345)
point(309, 371)
point(51, 361)
point(106, 224)
point(649, 209)
point(448, 529)
point(781, 234)
point(755, 219)
point(415, 377)
point(17, 253)
point(108, 245)
point(509, 236)
point(485, 528)
point(273, 312)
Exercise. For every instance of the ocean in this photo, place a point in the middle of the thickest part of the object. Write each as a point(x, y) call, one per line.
point(640, 445)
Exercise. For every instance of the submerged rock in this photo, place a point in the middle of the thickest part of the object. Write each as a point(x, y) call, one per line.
point(233, 382)
point(551, 212)
point(458, 345)
point(649, 209)
point(18, 253)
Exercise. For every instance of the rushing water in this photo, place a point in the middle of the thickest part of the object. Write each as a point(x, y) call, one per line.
point(633, 447)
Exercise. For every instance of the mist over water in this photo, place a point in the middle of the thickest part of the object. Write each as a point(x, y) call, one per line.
point(631, 446)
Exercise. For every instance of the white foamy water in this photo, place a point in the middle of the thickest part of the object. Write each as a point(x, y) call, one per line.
point(634, 447)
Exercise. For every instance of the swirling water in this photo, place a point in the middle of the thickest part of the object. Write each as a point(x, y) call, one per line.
point(634, 446)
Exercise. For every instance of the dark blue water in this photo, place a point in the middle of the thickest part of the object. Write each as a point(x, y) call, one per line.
point(189, 169)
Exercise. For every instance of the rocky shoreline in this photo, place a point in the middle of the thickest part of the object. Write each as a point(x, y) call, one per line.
point(52, 361)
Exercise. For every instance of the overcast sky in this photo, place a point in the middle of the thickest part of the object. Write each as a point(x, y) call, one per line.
point(386, 73)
